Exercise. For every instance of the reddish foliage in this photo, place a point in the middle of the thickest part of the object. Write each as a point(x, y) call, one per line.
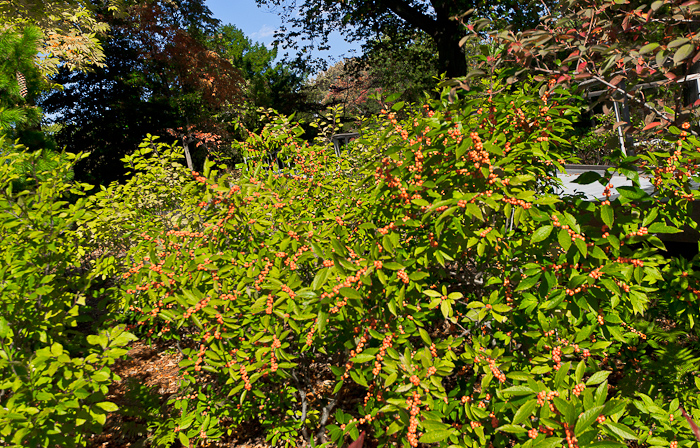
point(186, 63)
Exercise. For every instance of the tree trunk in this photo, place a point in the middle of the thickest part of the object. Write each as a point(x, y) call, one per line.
point(451, 58)
point(444, 31)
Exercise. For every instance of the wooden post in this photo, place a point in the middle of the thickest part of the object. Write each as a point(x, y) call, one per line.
point(186, 145)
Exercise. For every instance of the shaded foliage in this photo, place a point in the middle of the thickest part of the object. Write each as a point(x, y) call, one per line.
point(159, 74)
point(268, 84)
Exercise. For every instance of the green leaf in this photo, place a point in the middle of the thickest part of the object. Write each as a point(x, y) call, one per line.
point(358, 377)
point(108, 406)
point(418, 275)
point(435, 425)
point(4, 327)
point(528, 282)
point(580, 369)
point(390, 379)
point(586, 419)
point(566, 408)
point(350, 293)
point(563, 371)
point(614, 406)
point(386, 243)
point(632, 193)
point(675, 43)
point(621, 430)
point(512, 429)
point(541, 234)
point(425, 336)
point(607, 215)
point(518, 390)
point(362, 358)
point(524, 412)
point(446, 308)
point(607, 444)
point(597, 378)
point(320, 278)
point(564, 239)
point(436, 436)
point(549, 442)
point(659, 227)
point(183, 439)
point(322, 321)
point(648, 48)
point(393, 428)
point(338, 246)
point(587, 178)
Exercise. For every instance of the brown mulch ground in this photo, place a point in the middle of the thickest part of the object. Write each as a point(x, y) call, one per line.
point(149, 375)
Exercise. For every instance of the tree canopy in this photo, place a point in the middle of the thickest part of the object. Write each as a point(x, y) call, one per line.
point(268, 84)
point(407, 68)
point(159, 74)
point(359, 20)
point(19, 78)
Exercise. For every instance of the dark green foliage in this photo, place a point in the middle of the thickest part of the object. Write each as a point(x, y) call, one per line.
point(268, 84)
point(159, 77)
point(107, 112)
point(19, 78)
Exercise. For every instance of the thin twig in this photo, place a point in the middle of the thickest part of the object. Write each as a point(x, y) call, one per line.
point(325, 415)
point(617, 89)
point(590, 26)
point(302, 419)
point(633, 98)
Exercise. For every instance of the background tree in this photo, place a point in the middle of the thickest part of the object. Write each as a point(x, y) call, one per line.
point(159, 75)
point(344, 84)
point(385, 19)
point(21, 82)
point(638, 54)
point(70, 30)
point(407, 65)
point(268, 84)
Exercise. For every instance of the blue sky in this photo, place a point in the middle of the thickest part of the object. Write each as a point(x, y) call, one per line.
point(259, 24)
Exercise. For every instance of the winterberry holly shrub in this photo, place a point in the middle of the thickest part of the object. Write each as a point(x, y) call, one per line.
point(155, 199)
point(441, 295)
point(53, 378)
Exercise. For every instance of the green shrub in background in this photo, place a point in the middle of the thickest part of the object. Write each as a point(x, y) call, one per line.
point(156, 198)
point(53, 379)
point(441, 295)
